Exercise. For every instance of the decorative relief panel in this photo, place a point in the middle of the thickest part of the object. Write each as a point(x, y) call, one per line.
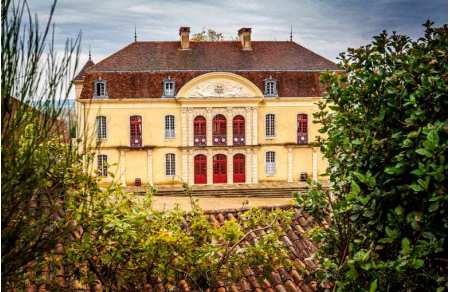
point(219, 88)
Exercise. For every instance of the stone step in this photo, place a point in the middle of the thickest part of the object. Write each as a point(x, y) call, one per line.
point(256, 192)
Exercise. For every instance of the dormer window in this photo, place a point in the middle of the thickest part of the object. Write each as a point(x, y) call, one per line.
point(100, 89)
point(270, 87)
point(169, 87)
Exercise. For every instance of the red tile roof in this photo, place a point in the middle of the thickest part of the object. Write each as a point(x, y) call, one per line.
point(83, 70)
point(214, 56)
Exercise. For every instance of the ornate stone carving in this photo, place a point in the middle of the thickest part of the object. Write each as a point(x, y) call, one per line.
point(219, 88)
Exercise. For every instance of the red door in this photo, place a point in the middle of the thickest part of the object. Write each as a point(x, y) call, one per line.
point(135, 131)
point(219, 130)
point(219, 169)
point(239, 168)
point(200, 131)
point(238, 130)
point(200, 169)
point(302, 129)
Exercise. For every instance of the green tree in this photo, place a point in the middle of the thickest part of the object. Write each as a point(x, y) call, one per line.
point(207, 35)
point(385, 122)
point(37, 164)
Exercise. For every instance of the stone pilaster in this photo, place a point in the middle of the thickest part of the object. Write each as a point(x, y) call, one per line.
point(209, 167)
point(248, 166)
point(208, 126)
point(315, 161)
point(150, 166)
point(184, 127)
point(289, 164)
point(190, 128)
point(254, 126)
point(229, 116)
point(190, 172)
point(248, 126)
point(184, 166)
point(230, 167)
point(255, 166)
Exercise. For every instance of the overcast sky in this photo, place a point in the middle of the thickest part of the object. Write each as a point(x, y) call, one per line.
point(324, 26)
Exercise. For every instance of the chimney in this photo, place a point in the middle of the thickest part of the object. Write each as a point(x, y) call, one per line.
point(184, 37)
point(245, 38)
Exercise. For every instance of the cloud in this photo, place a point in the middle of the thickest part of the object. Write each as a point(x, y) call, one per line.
point(324, 26)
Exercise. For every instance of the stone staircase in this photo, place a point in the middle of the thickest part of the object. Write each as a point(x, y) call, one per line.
point(268, 190)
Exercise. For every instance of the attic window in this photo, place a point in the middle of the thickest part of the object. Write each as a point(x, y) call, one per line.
point(169, 87)
point(270, 87)
point(100, 89)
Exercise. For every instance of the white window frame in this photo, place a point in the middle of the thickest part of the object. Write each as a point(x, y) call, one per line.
point(100, 122)
point(270, 163)
point(170, 164)
point(102, 165)
point(100, 94)
point(270, 87)
point(270, 126)
point(169, 87)
point(169, 126)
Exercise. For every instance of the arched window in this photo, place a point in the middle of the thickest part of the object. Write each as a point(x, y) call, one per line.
point(102, 165)
point(239, 168)
point(170, 126)
point(100, 122)
point(219, 168)
point(302, 129)
point(135, 131)
point(199, 131)
point(219, 130)
point(270, 125)
point(170, 164)
point(200, 172)
point(270, 163)
point(238, 130)
point(100, 88)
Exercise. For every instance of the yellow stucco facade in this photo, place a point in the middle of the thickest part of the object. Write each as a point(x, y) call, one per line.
point(208, 95)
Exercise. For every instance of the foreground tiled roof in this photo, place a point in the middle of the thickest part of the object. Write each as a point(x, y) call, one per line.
point(214, 56)
point(296, 278)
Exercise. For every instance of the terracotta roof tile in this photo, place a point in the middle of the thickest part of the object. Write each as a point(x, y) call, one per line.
point(83, 70)
point(214, 56)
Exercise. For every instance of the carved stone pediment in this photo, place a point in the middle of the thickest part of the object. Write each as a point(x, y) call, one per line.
point(219, 88)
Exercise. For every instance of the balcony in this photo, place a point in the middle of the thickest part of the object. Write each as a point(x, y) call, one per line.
point(302, 138)
point(238, 140)
point(136, 141)
point(199, 140)
point(219, 140)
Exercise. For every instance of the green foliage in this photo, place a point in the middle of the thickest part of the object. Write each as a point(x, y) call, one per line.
point(207, 35)
point(385, 122)
point(126, 243)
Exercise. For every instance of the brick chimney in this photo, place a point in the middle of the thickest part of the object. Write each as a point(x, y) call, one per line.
point(245, 34)
point(184, 37)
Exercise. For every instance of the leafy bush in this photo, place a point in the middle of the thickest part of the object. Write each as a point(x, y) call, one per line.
point(385, 122)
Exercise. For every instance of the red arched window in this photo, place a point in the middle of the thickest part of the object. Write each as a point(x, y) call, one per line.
point(219, 130)
point(302, 129)
point(200, 169)
point(219, 168)
point(200, 131)
point(135, 131)
point(239, 168)
point(238, 130)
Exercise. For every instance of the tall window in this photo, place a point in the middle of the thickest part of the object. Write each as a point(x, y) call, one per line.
point(170, 164)
point(135, 131)
point(219, 130)
point(302, 129)
point(170, 126)
point(270, 87)
point(169, 87)
point(238, 130)
point(200, 131)
point(270, 125)
point(100, 88)
point(270, 163)
point(101, 127)
point(102, 165)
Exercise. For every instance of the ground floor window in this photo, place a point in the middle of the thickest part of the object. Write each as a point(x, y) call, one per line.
point(270, 163)
point(102, 165)
point(170, 164)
